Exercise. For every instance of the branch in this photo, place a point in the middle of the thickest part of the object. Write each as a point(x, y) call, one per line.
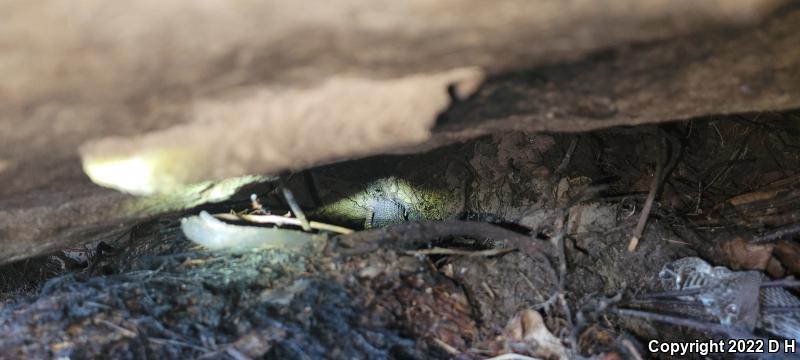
point(411, 235)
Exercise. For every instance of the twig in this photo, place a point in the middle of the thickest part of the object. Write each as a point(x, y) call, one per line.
point(443, 251)
point(699, 198)
point(176, 342)
point(628, 345)
point(236, 354)
point(673, 293)
point(661, 175)
point(123, 331)
point(411, 235)
point(95, 304)
point(488, 290)
point(512, 356)
point(527, 280)
point(721, 138)
point(780, 309)
point(785, 283)
point(545, 305)
point(446, 347)
point(765, 142)
point(298, 213)
point(573, 144)
point(735, 157)
point(776, 234)
point(648, 205)
point(558, 241)
point(662, 301)
point(282, 220)
point(561, 229)
point(673, 320)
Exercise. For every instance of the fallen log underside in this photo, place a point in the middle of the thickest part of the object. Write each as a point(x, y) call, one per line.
point(501, 179)
point(536, 80)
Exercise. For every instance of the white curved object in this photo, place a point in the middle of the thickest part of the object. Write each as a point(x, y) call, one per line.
point(214, 234)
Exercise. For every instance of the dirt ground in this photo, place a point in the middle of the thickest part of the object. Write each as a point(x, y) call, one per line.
point(154, 293)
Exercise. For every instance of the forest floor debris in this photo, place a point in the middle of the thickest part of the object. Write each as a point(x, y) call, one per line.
point(525, 255)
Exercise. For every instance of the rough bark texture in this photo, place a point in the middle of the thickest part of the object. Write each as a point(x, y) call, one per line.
point(77, 73)
point(727, 72)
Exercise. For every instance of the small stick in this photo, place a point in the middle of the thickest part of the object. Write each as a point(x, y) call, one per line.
point(673, 320)
point(282, 220)
point(123, 331)
point(567, 157)
point(660, 301)
point(785, 283)
point(631, 349)
point(673, 293)
point(160, 341)
point(735, 157)
point(298, 213)
point(488, 290)
point(658, 181)
point(446, 347)
point(236, 354)
point(777, 234)
point(648, 205)
point(561, 229)
point(780, 309)
point(444, 251)
point(512, 356)
point(412, 234)
point(699, 197)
